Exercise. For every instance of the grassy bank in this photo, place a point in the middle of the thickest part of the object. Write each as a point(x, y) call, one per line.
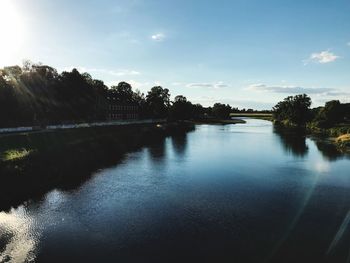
point(262, 116)
point(343, 141)
point(32, 164)
point(338, 135)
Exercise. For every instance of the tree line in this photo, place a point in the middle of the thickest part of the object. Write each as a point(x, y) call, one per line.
point(36, 94)
point(296, 111)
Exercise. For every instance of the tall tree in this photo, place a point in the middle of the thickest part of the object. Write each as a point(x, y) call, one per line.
point(158, 101)
point(221, 111)
point(122, 93)
point(294, 110)
point(181, 109)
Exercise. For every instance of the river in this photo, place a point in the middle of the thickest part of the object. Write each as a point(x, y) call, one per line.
point(234, 193)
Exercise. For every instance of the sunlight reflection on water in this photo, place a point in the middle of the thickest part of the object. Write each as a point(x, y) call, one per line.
point(216, 187)
point(16, 232)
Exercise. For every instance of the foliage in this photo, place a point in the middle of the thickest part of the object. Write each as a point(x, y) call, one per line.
point(181, 109)
point(158, 101)
point(331, 114)
point(15, 154)
point(331, 120)
point(37, 95)
point(293, 110)
point(122, 93)
point(221, 111)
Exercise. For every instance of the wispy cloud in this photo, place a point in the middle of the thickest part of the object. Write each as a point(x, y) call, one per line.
point(216, 85)
point(321, 95)
point(235, 102)
point(322, 57)
point(117, 73)
point(143, 86)
point(348, 44)
point(158, 37)
point(287, 89)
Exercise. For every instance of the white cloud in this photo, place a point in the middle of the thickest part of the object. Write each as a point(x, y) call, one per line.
point(234, 102)
point(123, 72)
point(287, 89)
point(135, 84)
point(322, 57)
point(158, 37)
point(319, 95)
point(216, 85)
point(348, 44)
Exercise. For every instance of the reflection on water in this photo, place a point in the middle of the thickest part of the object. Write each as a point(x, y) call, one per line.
point(329, 151)
point(158, 151)
point(179, 143)
point(292, 142)
point(245, 193)
point(18, 243)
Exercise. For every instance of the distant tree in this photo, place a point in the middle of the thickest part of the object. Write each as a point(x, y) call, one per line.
point(140, 100)
point(329, 115)
point(198, 111)
point(27, 65)
point(158, 101)
point(122, 93)
point(294, 110)
point(76, 96)
point(221, 111)
point(181, 109)
point(13, 71)
point(8, 104)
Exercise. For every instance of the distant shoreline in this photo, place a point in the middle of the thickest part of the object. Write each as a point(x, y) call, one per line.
point(219, 121)
point(261, 116)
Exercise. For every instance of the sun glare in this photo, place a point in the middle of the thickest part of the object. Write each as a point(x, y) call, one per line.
point(11, 32)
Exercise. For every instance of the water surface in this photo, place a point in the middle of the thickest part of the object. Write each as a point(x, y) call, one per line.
point(234, 193)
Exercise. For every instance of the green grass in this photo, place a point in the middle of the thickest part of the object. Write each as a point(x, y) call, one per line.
point(263, 116)
point(14, 145)
point(15, 154)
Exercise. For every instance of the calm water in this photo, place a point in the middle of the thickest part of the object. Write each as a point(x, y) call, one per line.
point(236, 193)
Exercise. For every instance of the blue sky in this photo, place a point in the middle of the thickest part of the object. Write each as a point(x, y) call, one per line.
point(249, 53)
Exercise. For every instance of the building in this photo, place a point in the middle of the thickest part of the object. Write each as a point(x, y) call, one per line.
point(120, 111)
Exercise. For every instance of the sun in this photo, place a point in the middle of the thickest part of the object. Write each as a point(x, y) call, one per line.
point(11, 37)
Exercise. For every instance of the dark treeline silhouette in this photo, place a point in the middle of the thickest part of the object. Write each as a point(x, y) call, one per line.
point(295, 111)
point(37, 95)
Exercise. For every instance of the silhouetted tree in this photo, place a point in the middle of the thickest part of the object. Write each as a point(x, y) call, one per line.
point(332, 113)
point(221, 111)
point(158, 101)
point(122, 93)
point(181, 109)
point(294, 110)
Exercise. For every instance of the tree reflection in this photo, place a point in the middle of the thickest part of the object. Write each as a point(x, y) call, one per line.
point(179, 143)
point(329, 151)
point(158, 150)
point(293, 141)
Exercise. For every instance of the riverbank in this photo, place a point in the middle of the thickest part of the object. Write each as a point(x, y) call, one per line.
point(261, 116)
point(344, 141)
point(339, 136)
point(218, 121)
point(33, 163)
